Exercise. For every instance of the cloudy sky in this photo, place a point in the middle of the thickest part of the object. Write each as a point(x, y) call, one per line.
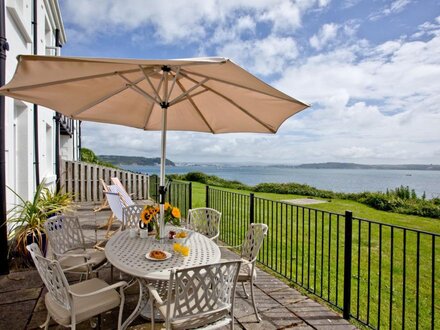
point(369, 68)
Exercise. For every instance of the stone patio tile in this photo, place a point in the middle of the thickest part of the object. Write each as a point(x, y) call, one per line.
point(22, 295)
point(15, 316)
point(20, 280)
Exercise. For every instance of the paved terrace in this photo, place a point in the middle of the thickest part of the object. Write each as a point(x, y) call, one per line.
point(281, 307)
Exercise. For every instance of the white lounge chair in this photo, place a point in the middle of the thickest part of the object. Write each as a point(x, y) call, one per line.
point(125, 196)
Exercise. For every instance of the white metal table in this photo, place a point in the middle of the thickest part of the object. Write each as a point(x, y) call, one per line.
point(128, 255)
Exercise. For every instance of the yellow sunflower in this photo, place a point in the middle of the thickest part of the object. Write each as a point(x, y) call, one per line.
point(175, 212)
point(146, 215)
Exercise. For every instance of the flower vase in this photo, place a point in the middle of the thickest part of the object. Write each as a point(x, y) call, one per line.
point(157, 236)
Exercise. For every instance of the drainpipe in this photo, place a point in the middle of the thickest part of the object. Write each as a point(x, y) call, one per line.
point(4, 267)
point(57, 151)
point(79, 140)
point(57, 125)
point(36, 147)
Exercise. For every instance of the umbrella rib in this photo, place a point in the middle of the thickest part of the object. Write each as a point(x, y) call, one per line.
point(189, 91)
point(195, 107)
point(150, 83)
point(65, 81)
point(235, 104)
point(193, 95)
point(174, 82)
point(102, 99)
point(287, 98)
point(147, 117)
point(137, 89)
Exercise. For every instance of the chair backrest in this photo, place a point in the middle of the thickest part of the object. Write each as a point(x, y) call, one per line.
point(52, 275)
point(115, 203)
point(131, 215)
point(125, 197)
point(253, 241)
point(205, 293)
point(205, 221)
point(64, 233)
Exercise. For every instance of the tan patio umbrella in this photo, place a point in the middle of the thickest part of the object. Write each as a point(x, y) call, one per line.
point(200, 94)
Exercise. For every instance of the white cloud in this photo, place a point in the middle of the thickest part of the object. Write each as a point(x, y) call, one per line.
point(188, 20)
point(394, 8)
point(266, 56)
point(371, 103)
point(327, 33)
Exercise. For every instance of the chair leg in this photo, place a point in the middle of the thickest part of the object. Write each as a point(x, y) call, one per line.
point(109, 224)
point(152, 312)
point(121, 307)
point(244, 289)
point(46, 323)
point(253, 302)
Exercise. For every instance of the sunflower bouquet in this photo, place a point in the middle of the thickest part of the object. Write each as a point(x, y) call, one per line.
point(150, 216)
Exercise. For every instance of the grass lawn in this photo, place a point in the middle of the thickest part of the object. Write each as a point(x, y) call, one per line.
point(306, 246)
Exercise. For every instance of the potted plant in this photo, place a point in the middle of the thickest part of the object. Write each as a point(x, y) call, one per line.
point(26, 219)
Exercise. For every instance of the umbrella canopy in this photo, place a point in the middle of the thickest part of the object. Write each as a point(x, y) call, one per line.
point(201, 94)
point(205, 94)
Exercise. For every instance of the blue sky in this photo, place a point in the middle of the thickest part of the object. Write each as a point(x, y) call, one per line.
point(369, 68)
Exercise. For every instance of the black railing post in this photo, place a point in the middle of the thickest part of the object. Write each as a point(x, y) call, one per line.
point(251, 208)
point(347, 263)
point(190, 195)
point(207, 196)
point(170, 195)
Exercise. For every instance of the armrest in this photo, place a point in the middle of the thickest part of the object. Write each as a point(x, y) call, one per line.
point(230, 246)
point(77, 266)
point(61, 255)
point(107, 288)
point(153, 292)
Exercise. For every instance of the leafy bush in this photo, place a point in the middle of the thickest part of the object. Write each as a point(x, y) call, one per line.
point(293, 188)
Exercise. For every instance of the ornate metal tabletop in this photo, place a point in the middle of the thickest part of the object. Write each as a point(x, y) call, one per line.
point(129, 254)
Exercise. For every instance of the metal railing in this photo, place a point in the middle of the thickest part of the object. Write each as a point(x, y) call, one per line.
point(379, 274)
point(178, 194)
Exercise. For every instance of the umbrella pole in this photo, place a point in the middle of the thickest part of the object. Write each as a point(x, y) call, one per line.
point(162, 190)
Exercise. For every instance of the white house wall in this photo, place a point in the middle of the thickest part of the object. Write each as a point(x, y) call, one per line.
point(19, 128)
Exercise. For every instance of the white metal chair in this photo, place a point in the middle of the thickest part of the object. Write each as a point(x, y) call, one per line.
point(72, 304)
point(249, 253)
point(205, 221)
point(67, 244)
point(131, 216)
point(198, 296)
point(125, 196)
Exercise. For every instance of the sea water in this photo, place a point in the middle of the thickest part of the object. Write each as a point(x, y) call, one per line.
point(339, 180)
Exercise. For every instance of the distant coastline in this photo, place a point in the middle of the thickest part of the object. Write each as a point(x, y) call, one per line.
point(144, 161)
point(354, 166)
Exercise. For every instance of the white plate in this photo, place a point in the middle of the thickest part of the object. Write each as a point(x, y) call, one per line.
point(168, 255)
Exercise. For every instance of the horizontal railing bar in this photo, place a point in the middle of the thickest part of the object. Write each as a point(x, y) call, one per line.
point(397, 226)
